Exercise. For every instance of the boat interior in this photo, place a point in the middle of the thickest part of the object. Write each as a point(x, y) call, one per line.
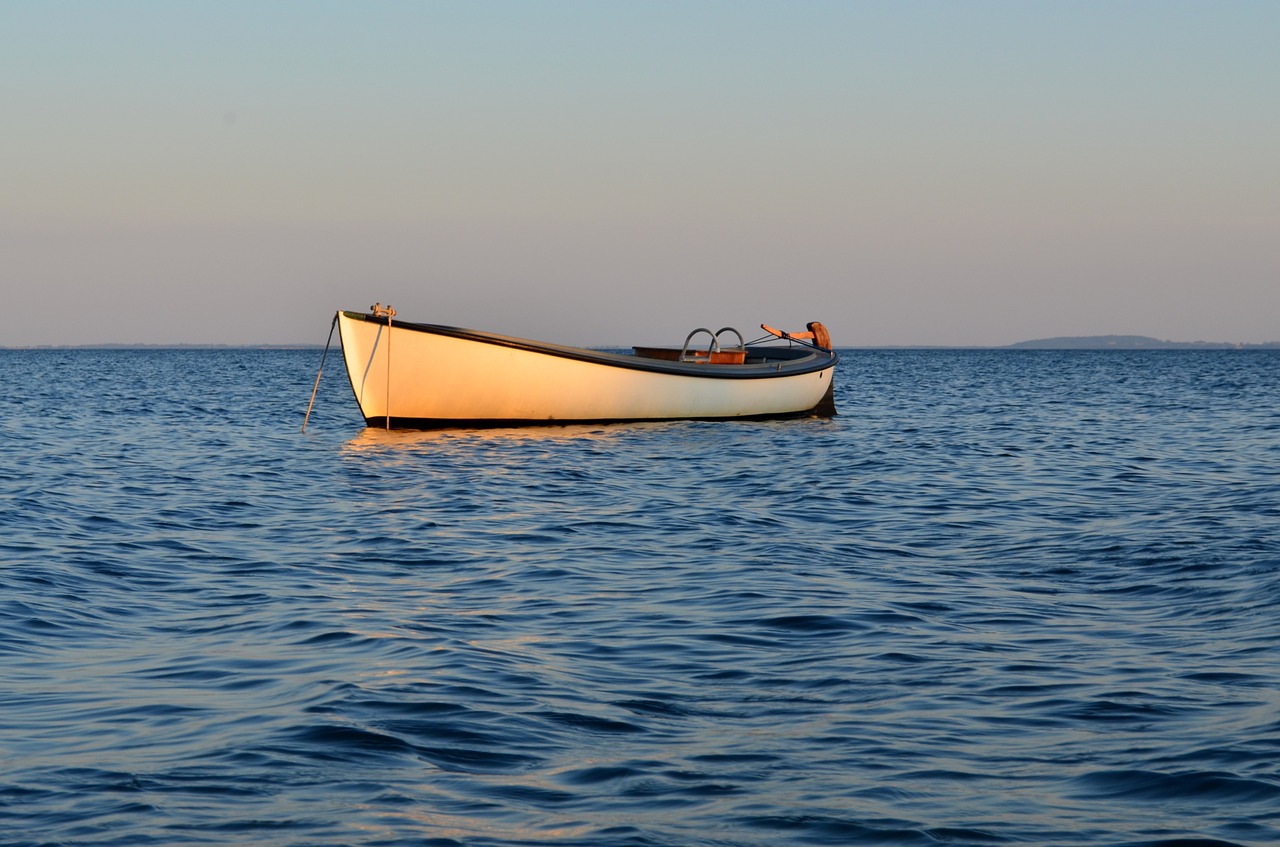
point(712, 352)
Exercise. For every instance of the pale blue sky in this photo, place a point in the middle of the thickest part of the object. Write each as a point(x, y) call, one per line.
point(609, 173)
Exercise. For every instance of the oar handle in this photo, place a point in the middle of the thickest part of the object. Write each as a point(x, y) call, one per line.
point(782, 333)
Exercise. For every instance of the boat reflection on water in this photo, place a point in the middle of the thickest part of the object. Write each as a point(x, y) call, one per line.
point(375, 438)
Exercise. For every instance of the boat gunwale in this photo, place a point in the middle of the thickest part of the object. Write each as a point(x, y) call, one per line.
point(789, 361)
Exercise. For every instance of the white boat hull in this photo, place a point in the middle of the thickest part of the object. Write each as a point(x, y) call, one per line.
point(416, 375)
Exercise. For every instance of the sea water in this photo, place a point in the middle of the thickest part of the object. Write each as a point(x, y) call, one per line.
point(1005, 597)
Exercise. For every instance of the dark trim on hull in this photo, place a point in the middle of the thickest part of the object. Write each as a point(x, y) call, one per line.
point(826, 407)
point(777, 361)
point(514, 423)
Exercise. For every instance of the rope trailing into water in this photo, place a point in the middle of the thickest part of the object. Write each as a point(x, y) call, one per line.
point(390, 313)
point(380, 311)
point(317, 385)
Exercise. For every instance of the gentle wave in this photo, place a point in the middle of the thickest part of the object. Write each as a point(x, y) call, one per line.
point(1004, 597)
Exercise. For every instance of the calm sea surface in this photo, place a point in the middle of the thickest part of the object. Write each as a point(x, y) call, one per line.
point(1004, 598)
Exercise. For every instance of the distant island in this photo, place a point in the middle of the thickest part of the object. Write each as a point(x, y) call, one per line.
point(1132, 342)
point(1095, 342)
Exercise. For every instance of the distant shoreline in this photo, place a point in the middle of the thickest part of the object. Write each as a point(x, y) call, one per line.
point(165, 347)
point(1084, 342)
point(1132, 342)
point(1068, 342)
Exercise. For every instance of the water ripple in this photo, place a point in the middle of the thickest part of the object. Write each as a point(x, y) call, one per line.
point(1002, 598)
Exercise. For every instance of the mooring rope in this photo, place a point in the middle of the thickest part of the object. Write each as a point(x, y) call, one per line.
point(317, 385)
point(380, 311)
point(390, 313)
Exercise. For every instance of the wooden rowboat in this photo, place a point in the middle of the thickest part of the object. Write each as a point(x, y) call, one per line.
point(425, 376)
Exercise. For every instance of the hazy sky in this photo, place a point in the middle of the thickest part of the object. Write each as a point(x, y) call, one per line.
point(622, 172)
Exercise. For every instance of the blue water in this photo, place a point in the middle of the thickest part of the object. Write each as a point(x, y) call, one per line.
point(1003, 598)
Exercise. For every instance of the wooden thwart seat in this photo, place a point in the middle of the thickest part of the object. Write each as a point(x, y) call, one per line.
point(712, 357)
